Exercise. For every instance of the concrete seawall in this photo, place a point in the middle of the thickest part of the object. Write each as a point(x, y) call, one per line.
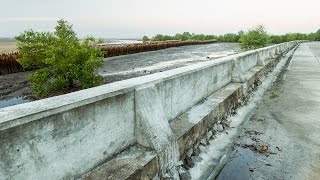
point(137, 128)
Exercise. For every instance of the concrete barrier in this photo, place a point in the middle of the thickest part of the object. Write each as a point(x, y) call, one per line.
point(104, 131)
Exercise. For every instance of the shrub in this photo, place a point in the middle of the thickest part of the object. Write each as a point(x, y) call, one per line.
point(145, 38)
point(317, 35)
point(63, 61)
point(254, 38)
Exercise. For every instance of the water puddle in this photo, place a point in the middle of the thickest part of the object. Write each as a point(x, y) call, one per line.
point(12, 101)
point(240, 165)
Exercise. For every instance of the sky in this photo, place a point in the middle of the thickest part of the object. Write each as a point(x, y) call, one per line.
point(135, 18)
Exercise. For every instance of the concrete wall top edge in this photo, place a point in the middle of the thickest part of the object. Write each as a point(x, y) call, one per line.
point(24, 113)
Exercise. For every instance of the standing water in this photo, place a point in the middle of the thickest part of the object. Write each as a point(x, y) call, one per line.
point(12, 101)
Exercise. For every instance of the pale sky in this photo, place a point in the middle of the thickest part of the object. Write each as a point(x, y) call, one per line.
point(135, 18)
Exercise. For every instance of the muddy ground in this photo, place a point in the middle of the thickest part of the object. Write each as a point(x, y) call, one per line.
point(15, 89)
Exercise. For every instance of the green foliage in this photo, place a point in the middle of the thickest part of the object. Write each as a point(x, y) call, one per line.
point(275, 39)
point(160, 37)
point(183, 37)
point(254, 38)
point(145, 38)
point(63, 60)
point(100, 40)
point(317, 35)
point(230, 37)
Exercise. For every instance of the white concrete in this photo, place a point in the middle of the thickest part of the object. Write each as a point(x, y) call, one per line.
point(219, 148)
point(67, 135)
point(68, 143)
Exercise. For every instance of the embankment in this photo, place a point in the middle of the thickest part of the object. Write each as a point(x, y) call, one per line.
point(138, 128)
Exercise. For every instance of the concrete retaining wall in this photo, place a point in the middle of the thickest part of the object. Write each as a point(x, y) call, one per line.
point(68, 135)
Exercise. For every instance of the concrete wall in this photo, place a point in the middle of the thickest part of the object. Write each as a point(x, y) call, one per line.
point(67, 135)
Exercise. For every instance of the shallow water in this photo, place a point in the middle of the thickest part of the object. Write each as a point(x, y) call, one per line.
point(238, 166)
point(12, 101)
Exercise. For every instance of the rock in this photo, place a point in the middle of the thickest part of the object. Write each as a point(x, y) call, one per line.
point(196, 159)
point(196, 151)
point(252, 169)
point(174, 174)
point(165, 177)
point(220, 127)
point(179, 163)
point(226, 124)
point(184, 174)
point(213, 133)
point(248, 142)
point(188, 162)
point(264, 148)
point(189, 152)
point(215, 128)
point(203, 142)
point(202, 148)
point(209, 135)
point(156, 177)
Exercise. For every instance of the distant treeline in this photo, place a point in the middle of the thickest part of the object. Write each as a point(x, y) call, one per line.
point(234, 37)
point(180, 37)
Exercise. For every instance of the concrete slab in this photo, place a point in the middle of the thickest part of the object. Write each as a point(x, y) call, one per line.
point(135, 163)
point(287, 121)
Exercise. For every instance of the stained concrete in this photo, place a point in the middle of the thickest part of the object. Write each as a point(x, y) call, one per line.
point(216, 154)
point(65, 136)
point(287, 121)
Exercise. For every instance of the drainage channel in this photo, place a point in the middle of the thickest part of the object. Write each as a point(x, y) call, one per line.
point(222, 147)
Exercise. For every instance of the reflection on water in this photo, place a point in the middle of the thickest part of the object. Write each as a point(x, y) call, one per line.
point(238, 166)
point(12, 101)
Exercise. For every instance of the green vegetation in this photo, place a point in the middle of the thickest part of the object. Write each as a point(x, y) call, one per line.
point(100, 40)
point(63, 61)
point(180, 37)
point(145, 38)
point(230, 37)
point(254, 38)
point(275, 39)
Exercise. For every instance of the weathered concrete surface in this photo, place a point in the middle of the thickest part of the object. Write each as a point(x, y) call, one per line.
point(287, 121)
point(64, 144)
point(216, 153)
point(66, 136)
point(135, 163)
